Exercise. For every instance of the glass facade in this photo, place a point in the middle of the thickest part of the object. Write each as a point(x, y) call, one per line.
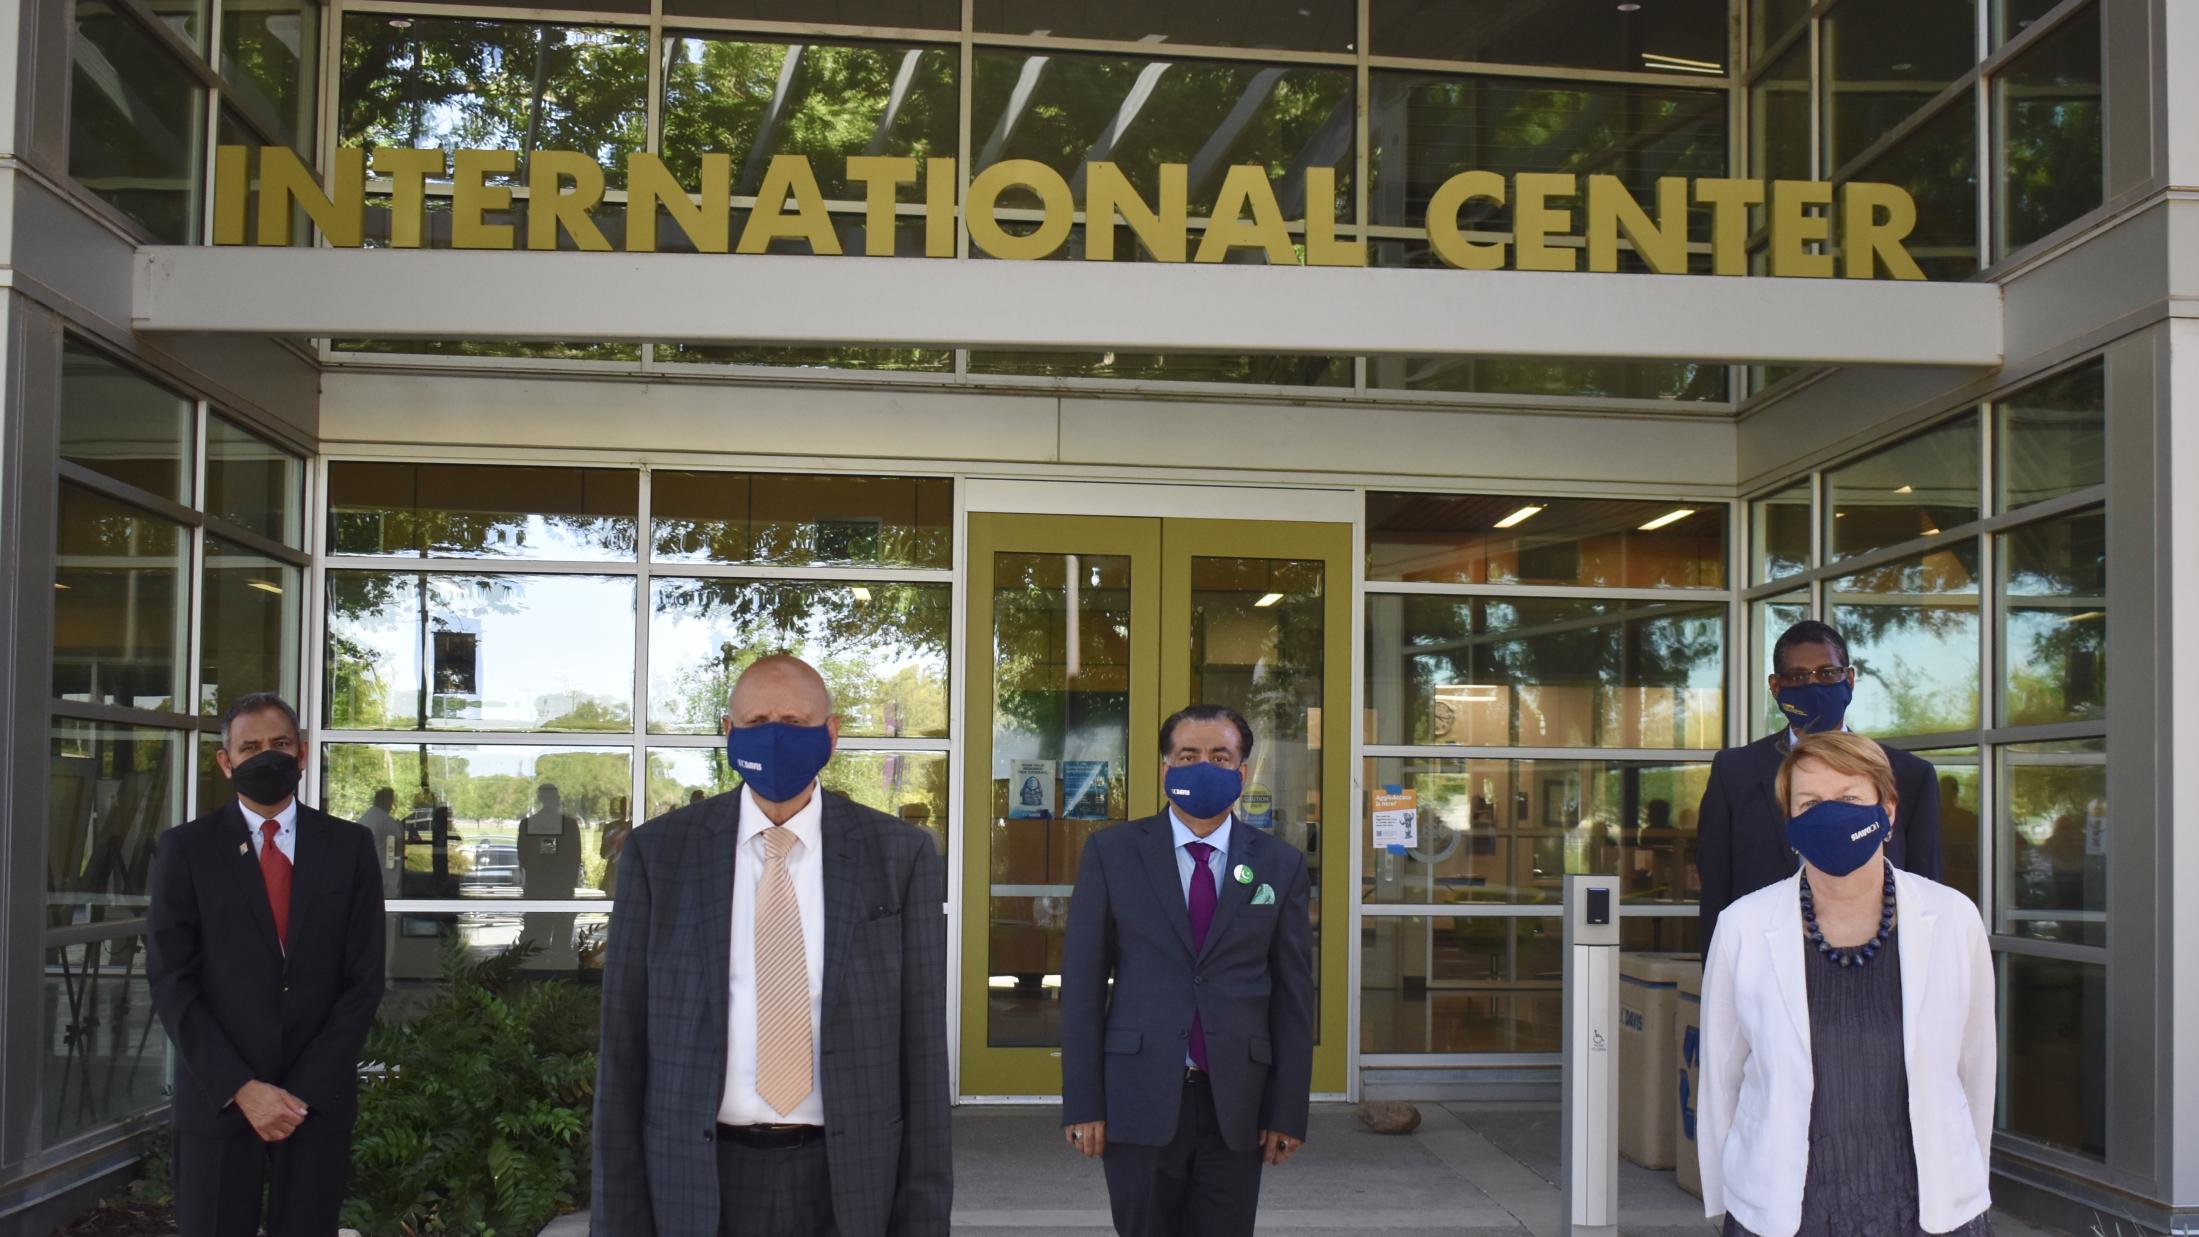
point(1976, 614)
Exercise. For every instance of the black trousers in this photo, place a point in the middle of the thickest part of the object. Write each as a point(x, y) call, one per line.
point(1196, 1186)
point(776, 1192)
point(220, 1182)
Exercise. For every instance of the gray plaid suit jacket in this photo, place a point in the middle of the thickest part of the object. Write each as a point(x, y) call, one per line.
point(660, 1072)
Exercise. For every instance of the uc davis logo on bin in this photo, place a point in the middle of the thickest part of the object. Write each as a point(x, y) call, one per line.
point(1691, 1059)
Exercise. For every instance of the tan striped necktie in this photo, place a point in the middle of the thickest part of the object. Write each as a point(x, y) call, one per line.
point(782, 982)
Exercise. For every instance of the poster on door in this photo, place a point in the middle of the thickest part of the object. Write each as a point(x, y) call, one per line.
point(1084, 790)
point(1032, 785)
point(1396, 818)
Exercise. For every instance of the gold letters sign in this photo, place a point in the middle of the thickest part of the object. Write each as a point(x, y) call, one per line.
point(1547, 209)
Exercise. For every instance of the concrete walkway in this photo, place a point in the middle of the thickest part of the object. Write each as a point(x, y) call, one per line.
point(1477, 1170)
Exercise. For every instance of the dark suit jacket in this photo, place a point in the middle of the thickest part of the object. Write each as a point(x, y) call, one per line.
point(660, 1072)
point(1742, 828)
point(237, 1007)
point(1122, 1052)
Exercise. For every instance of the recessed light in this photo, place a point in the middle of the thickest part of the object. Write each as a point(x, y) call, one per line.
point(1268, 600)
point(1630, 7)
point(1524, 513)
point(1670, 517)
point(1903, 67)
point(1904, 489)
point(400, 23)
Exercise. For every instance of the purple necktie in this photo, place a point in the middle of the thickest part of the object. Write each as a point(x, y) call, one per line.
point(1203, 902)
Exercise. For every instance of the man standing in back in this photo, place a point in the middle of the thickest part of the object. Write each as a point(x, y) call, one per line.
point(265, 959)
point(774, 1052)
point(1742, 839)
point(1194, 1070)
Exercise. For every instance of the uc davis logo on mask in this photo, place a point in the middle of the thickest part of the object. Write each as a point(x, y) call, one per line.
point(1691, 1060)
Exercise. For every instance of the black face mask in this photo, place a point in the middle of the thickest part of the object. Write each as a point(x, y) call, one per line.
point(268, 778)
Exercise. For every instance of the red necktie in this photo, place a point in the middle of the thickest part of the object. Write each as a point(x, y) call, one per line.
point(275, 870)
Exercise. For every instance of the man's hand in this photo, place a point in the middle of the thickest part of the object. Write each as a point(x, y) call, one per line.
point(275, 1114)
point(1276, 1148)
point(1089, 1138)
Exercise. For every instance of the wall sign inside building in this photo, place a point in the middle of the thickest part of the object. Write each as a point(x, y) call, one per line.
point(564, 189)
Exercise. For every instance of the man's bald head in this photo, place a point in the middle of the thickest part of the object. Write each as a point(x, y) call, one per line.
point(779, 688)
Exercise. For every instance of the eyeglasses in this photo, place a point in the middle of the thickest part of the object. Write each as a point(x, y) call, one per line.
point(1826, 675)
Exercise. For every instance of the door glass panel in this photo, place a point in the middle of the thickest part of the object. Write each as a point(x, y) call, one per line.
point(1061, 743)
point(1256, 642)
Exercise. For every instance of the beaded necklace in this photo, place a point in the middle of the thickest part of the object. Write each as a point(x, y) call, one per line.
point(1862, 953)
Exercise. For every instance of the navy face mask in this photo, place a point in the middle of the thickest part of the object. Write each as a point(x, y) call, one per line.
point(778, 760)
point(1836, 838)
point(1203, 791)
point(1816, 706)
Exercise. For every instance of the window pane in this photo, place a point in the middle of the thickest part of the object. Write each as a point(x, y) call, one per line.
point(491, 85)
point(1686, 37)
point(1770, 619)
point(902, 14)
point(910, 785)
point(1912, 629)
point(2054, 632)
point(1545, 672)
point(723, 94)
point(2053, 1024)
point(136, 124)
point(1910, 490)
point(1885, 59)
point(1779, 119)
point(2013, 17)
point(883, 360)
point(270, 55)
point(488, 821)
point(1208, 114)
point(1287, 370)
point(1781, 532)
point(881, 647)
point(532, 349)
point(497, 652)
point(1460, 985)
point(2054, 834)
point(253, 482)
point(1770, 20)
point(103, 1056)
point(248, 631)
point(1302, 26)
point(113, 789)
point(118, 616)
point(2046, 106)
point(1959, 835)
point(2053, 437)
point(417, 940)
point(798, 520)
point(1555, 376)
point(125, 426)
point(1427, 128)
point(1937, 164)
point(1511, 830)
point(483, 511)
point(1485, 539)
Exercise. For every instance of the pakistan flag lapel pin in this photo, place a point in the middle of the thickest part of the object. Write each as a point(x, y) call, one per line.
point(1243, 874)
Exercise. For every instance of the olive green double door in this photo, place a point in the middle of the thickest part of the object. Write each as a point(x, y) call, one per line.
point(1084, 633)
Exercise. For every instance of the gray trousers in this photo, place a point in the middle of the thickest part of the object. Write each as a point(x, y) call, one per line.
point(1193, 1187)
point(781, 1192)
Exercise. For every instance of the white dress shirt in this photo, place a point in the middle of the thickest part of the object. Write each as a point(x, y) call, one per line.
point(1219, 840)
point(740, 1104)
point(286, 838)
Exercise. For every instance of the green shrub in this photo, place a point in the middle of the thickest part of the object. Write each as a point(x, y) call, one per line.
point(474, 1115)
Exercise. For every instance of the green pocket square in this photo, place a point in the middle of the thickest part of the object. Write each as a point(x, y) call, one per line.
point(1264, 896)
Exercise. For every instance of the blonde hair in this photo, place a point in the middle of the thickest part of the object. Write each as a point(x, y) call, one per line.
point(1842, 752)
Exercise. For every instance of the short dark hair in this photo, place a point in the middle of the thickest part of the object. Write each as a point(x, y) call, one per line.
point(1809, 631)
point(257, 702)
point(1208, 713)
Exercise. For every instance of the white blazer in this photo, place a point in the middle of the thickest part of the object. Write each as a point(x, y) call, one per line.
point(1753, 1120)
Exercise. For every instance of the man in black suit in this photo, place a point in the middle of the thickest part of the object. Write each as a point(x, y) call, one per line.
point(1742, 828)
point(266, 965)
point(774, 1054)
point(1193, 1069)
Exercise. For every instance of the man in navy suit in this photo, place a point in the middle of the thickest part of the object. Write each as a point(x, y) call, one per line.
point(1742, 828)
point(265, 957)
point(1193, 1071)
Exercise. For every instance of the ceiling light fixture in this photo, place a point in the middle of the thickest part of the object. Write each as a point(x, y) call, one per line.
point(1670, 517)
point(2086, 617)
point(265, 586)
point(1904, 489)
point(1521, 515)
point(1268, 600)
point(400, 23)
point(1658, 60)
point(1630, 7)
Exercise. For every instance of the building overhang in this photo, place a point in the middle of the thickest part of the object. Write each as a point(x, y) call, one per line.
point(1061, 305)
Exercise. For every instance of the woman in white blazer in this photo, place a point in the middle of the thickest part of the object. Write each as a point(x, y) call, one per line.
point(1848, 1035)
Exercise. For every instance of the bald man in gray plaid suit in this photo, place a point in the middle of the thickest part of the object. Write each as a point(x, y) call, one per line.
point(774, 1054)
